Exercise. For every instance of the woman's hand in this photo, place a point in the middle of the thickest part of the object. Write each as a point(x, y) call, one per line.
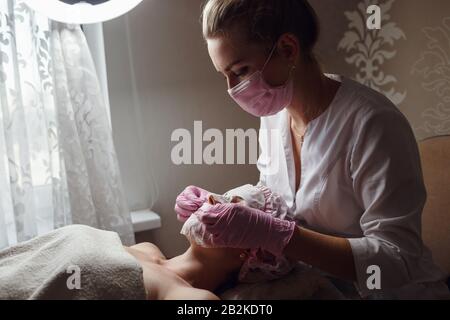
point(189, 201)
point(236, 226)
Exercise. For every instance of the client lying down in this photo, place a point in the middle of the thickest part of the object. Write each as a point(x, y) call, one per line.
point(202, 269)
point(79, 262)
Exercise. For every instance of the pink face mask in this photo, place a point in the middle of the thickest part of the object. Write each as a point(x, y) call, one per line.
point(260, 99)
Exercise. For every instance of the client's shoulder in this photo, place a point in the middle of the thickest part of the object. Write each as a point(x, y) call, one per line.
point(147, 252)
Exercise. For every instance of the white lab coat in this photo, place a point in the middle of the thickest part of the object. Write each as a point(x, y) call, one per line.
point(361, 179)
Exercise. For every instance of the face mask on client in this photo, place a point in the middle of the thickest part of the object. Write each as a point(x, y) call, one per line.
point(260, 99)
point(259, 266)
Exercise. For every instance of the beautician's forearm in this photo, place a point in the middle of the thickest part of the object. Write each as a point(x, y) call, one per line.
point(330, 254)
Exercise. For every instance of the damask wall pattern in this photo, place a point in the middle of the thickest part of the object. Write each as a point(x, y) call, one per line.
point(408, 59)
point(368, 50)
point(433, 68)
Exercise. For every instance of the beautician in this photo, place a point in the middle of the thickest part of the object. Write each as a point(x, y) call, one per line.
point(347, 164)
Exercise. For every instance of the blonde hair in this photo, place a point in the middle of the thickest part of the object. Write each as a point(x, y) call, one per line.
point(263, 20)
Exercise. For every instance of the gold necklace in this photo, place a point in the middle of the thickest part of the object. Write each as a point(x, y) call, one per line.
point(301, 136)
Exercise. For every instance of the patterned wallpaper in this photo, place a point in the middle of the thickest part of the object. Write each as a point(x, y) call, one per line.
point(408, 59)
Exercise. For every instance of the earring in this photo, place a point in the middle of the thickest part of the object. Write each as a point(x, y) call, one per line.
point(243, 256)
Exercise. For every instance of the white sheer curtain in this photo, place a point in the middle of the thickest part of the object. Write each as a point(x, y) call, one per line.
point(58, 164)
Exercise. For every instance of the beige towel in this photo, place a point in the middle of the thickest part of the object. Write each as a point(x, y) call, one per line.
point(74, 262)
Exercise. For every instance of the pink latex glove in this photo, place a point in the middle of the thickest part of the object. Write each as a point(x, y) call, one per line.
point(237, 226)
point(189, 201)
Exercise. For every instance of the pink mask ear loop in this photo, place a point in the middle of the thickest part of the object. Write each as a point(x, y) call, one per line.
point(268, 59)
